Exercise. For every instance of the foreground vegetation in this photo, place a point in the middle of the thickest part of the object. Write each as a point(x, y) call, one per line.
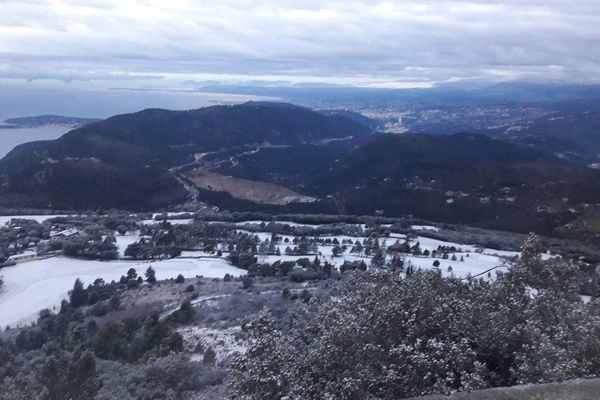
point(385, 337)
point(378, 334)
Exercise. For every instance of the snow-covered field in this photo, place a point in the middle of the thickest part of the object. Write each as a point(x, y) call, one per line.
point(425, 228)
point(125, 240)
point(256, 222)
point(184, 221)
point(5, 219)
point(32, 286)
point(473, 265)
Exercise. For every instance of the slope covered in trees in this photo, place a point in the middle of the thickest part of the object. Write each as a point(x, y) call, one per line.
point(124, 161)
point(378, 336)
point(386, 331)
point(463, 178)
point(156, 158)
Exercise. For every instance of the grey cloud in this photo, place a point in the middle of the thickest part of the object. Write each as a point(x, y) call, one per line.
point(410, 41)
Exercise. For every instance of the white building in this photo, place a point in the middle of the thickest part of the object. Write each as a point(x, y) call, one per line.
point(26, 255)
point(65, 233)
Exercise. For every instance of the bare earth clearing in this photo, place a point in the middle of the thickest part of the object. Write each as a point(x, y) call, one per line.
point(243, 189)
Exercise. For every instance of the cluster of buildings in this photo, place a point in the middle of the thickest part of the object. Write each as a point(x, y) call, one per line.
point(42, 249)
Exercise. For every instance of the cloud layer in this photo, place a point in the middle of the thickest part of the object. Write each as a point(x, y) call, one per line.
point(155, 42)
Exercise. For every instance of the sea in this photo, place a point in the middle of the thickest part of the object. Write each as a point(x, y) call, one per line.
point(9, 138)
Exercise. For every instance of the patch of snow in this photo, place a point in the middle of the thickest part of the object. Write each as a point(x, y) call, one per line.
point(171, 214)
point(502, 253)
point(258, 222)
point(186, 221)
point(473, 265)
point(195, 254)
point(125, 240)
point(5, 219)
point(425, 228)
point(432, 244)
point(32, 286)
point(222, 341)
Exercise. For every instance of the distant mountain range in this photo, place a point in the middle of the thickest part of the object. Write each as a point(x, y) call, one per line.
point(573, 136)
point(282, 158)
point(43, 120)
point(523, 92)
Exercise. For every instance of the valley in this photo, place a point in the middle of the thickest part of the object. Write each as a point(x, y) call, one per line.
point(192, 286)
point(299, 200)
point(205, 245)
point(45, 279)
point(281, 158)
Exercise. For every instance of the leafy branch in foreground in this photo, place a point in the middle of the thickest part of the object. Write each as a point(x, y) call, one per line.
point(382, 336)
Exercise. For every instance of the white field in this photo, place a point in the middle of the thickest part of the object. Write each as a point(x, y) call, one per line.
point(256, 222)
point(32, 286)
point(473, 265)
point(171, 214)
point(125, 240)
point(5, 219)
point(195, 254)
point(171, 221)
point(425, 228)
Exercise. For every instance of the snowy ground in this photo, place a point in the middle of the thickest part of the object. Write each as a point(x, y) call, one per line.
point(32, 286)
point(223, 341)
point(256, 222)
point(125, 240)
point(478, 261)
point(185, 221)
point(473, 265)
point(425, 228)
point(5, 219)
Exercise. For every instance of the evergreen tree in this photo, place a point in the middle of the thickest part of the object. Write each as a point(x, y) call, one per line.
point(150, 275)
point(78, 295)
point(530, 262)
point(69, 376)
point(131, 274)
point(378, 260)
point(209, 356)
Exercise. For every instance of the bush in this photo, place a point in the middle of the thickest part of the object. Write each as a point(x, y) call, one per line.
point(247, 282)
point(428, 333)
point(209, 356)
point(99, 309)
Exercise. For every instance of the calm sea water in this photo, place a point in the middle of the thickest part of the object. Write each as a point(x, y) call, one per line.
point(9, 138)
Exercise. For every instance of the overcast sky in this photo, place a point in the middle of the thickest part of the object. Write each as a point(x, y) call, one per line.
point(122, 43)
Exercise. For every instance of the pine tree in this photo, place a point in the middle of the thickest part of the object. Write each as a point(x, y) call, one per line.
point(209, 356)
point(78, 296)
point(150, 275)
point(378, 260)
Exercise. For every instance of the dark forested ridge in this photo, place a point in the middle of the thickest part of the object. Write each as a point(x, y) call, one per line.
point(156, 158)
point(129, 155)
point(572, 135)
point(461, 178)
